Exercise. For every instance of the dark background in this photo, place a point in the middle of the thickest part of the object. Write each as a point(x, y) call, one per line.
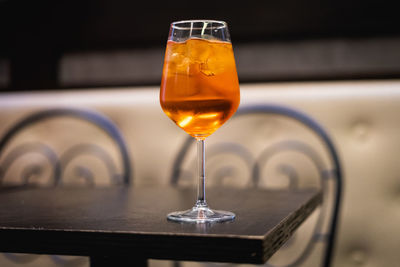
point(36, 35)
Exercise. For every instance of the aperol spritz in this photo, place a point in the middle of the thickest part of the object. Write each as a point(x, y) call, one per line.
point(199, 92)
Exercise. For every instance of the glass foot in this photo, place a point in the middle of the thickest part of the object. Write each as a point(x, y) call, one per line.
point(201, 214)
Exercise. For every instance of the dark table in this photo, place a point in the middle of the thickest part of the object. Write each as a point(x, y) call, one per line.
point(129, 225)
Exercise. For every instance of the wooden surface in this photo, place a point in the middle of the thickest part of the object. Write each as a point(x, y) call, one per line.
point(132, 221)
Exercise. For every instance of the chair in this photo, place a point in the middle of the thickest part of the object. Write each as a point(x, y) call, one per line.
point(279, 151)
point(48, 147)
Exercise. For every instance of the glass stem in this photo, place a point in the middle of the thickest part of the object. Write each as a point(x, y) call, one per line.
point(201, 167)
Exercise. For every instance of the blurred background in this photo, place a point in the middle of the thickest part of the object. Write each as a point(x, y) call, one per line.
point(84, 44)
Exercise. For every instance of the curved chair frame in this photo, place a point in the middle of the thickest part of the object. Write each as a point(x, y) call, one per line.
point(312, 155)
point(21, 150)
point(97, 119)
point(319, 131)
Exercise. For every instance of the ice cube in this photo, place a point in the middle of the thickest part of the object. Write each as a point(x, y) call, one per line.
point(206, 70)
point(212, 66)
point(198, 50)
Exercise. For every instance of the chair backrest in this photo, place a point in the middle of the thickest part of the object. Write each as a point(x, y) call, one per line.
point(72, 141)
point(237, 154)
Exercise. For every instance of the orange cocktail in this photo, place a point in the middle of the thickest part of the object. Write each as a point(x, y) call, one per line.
point(199, 88)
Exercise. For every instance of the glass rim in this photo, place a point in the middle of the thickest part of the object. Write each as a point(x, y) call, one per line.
point(176, 26)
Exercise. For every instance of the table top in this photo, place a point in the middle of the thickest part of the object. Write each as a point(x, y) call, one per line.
point(132, 221)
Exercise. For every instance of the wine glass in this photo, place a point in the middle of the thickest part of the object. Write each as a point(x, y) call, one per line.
point(199, 92)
